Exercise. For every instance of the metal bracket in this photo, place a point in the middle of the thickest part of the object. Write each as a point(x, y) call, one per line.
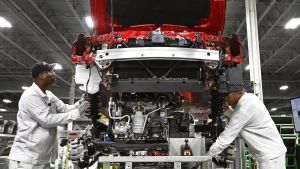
point(177, 165)
point(128, 160)
point(128, 165)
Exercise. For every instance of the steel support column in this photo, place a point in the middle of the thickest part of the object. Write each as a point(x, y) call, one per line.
point(253, 47)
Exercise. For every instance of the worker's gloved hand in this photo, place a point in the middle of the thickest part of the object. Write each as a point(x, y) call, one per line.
point(76, 150)
point(82, 98)
point(80, 101)
point(208, 154)
point(83, 107)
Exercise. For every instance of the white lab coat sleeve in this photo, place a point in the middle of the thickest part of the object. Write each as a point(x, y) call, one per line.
point(47, 119)
point(227, 113)
point(62, 107)
point(238, 120)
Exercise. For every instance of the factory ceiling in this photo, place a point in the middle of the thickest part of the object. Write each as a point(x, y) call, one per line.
point(44, 30)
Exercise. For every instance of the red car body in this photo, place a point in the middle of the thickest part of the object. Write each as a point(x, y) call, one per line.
point(175, 18)
point(212, 22)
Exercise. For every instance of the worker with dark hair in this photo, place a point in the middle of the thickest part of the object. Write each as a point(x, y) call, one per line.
point(40, 112)
point(250, 118)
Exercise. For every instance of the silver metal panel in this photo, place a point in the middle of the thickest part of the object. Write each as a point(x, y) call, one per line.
point(160, 53)
point(104, 159)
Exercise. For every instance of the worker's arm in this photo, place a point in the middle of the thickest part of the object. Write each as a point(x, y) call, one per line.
point(44, 117)
point(238, 120)
point(227, 113)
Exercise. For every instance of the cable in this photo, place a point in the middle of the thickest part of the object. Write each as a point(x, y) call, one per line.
point(147, 118)
point(86, 86)
point(116, 118)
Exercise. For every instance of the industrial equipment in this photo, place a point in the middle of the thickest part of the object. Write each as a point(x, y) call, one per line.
point(159, 71)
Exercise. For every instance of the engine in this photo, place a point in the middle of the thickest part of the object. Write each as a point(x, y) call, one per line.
point(148, 117)
point(161, 86)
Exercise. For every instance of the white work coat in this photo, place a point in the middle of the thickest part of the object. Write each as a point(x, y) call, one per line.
point(253, 122)
point(38, 116)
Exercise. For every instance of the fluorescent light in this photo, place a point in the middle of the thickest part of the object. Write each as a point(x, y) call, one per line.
point(3, 110)
point(283, 115)
point(247, 67)
point(57, 67)
point(4, 23)
point(284, 87)
point(82, 88)
point(24, 87)
point(292, 24)
point(89, 21)
point(274, 109)
point(6, 101)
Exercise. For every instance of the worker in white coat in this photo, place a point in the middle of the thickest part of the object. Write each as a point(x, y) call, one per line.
point(251, 120)
point(40, 112)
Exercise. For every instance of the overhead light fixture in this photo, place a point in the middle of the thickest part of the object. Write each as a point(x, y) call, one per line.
point(24, 87)
point(274, 109)
point(283, 115)
point(89, 21)
point(81, 88)
point(292, 24)
point(4, 23)
point(3, 110)
point(6, 101)
point(57, 67)
point(247, 67)
point(284, 87)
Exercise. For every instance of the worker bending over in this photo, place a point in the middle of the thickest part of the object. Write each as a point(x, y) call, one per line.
point(251, 119)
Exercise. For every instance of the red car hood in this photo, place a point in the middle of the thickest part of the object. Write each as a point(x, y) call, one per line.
point(169, 15)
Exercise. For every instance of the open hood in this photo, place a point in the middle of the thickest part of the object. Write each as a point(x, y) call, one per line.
point(173, 15)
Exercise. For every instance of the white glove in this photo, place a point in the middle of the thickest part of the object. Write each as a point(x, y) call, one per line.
point(77, 104)
point(83, 106)
point(76, 150)
point(208, 154)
